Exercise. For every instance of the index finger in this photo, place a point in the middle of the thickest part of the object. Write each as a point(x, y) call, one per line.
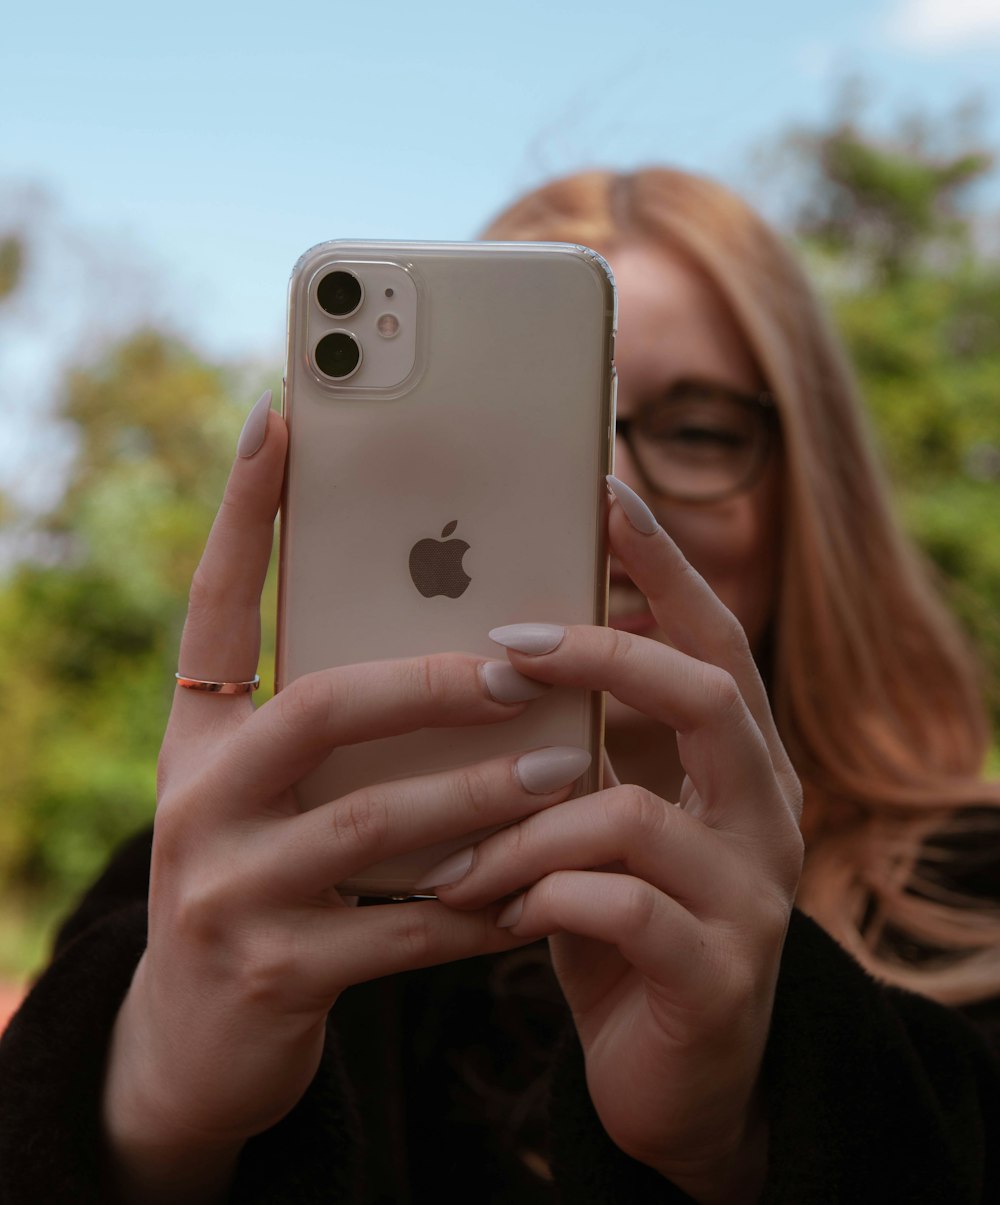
point(221, 638)
point(687, 610)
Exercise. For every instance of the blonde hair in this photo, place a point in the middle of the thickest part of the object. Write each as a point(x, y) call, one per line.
point(874, 688)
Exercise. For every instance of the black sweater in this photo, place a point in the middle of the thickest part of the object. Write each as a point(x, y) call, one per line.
point(874, 1094)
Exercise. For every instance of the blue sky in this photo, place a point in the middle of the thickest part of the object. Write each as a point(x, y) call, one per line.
point(182, 156)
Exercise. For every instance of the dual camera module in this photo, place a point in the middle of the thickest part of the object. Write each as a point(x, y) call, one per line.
point(338, 354)
point(361, 322)
point(340, 294)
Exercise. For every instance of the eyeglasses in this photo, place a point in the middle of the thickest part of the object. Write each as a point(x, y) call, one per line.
point(701, 442)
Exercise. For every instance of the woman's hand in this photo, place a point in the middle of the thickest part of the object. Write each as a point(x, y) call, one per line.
point(666, 920)
point(249, 942)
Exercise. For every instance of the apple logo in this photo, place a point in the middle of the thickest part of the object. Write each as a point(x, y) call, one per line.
point(436, 565)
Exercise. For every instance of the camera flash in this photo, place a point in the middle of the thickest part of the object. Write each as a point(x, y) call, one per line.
point(387, 326)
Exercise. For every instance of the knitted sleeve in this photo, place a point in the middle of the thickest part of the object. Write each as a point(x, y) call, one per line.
point(874, 1094)
point(52, 1058)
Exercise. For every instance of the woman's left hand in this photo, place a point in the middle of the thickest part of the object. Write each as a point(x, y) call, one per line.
point(666, 922)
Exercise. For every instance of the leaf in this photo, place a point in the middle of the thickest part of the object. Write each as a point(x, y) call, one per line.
point(449, 528)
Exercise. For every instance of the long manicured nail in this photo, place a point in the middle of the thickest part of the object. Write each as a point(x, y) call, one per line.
point(533, 638)
point(255, 428)
point(506, 685)
point(511, 914)
point(454, 867)
point(545, 770)
point(636, 511)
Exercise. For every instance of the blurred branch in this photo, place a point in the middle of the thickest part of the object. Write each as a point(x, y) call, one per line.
point(11, 264)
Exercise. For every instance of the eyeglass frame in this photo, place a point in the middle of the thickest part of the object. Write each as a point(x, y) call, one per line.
point(763, 402)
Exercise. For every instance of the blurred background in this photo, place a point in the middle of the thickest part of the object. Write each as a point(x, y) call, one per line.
point(162, 169)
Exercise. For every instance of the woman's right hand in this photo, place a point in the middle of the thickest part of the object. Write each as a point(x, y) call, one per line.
point(249, 943)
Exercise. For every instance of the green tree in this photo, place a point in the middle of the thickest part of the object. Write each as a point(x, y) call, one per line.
point(11, 270)
point(88, 636)
point(890, 233)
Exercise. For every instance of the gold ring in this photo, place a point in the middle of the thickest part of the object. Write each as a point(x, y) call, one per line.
point(219, 688)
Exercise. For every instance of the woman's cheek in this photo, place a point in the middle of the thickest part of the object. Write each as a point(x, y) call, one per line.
point(732, 546)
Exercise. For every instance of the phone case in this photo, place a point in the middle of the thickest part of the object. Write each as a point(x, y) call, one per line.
point(499, 439)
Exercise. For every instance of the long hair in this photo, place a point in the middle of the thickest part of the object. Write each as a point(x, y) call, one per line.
point(874, 688)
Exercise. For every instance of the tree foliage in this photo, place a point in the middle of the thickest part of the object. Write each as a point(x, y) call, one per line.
point(889, 207)
point(88, 636)
point(890, 233)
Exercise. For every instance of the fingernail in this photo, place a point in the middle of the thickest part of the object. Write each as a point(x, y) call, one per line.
point(255, 428)
point(529, 637)
point(636, 511)
point(511, 914)
point(454, 867)
point(544, 770)
point(506, 685)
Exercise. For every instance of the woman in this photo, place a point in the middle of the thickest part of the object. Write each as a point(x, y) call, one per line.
point(718, 1046)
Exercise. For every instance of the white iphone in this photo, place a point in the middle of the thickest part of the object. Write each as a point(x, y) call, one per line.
point(450, 409)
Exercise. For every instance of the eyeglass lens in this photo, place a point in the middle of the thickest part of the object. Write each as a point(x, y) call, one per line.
point(700, 443)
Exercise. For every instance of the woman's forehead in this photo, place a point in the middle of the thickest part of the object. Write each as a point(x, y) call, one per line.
point(674, 322)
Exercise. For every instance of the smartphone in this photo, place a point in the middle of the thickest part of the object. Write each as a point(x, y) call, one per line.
point(450, 409)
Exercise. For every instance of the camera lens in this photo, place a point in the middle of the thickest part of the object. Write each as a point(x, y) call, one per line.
point(338, 354)
point(339, 293)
